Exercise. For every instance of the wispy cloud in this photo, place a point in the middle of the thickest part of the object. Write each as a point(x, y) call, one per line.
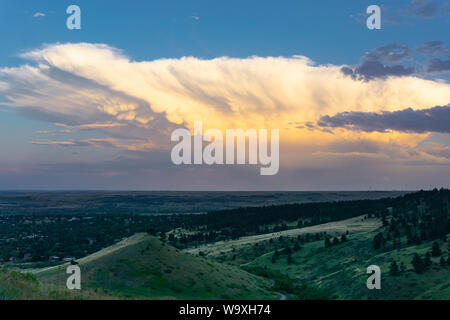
point(98, 143)
point(435, 48)
point(427, 8)
point(91, 126)
point(39, 15)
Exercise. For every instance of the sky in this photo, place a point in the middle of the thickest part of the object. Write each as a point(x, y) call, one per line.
point(94, 108)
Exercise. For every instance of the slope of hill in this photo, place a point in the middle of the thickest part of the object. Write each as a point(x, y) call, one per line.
point(16, 285)
point(352, 225)
point(340, 270)
point(143, 267)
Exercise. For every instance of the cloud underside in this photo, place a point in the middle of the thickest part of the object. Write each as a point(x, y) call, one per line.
point(94, 87)
point(369, 70)
point(436, 119)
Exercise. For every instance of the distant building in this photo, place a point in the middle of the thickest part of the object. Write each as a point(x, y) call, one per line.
point(68, 259)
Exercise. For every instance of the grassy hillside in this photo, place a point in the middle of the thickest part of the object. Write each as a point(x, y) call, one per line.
point(330, 259)
point(143, 267)
point(340, 270)
point(246, 246)
point(16, 285)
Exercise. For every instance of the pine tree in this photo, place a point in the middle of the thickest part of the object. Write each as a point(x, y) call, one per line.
point(436, 249)
point(289, 259)
point(287, 250)
point(427, 260)
point(327, 242)
point(378, 241)
point(402, 267)
point(418, 264)
point(275, 256)
point(394, 271)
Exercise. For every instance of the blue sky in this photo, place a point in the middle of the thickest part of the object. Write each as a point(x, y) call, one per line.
point(327, 32)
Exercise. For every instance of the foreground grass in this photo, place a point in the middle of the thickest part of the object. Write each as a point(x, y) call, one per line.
point(16, 285)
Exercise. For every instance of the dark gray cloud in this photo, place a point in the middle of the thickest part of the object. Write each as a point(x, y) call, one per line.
point(376, 63)
point(383, 62)
point(435, 48)
point(436, 119)
point(438, 65)
point(392, 52)
point(370, 70)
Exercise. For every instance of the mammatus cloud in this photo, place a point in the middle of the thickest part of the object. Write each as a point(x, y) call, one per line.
point(436, 119)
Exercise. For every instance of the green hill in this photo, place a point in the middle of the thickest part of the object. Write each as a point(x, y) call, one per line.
point(16, 285)
point(143, 267)
point(340, 270)
point(330, 259)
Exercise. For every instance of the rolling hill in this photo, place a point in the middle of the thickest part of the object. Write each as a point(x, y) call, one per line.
point(144, 267)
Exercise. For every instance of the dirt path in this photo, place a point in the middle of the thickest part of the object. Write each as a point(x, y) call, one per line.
point(352, 225)
point(121, 244)
point(280, 295)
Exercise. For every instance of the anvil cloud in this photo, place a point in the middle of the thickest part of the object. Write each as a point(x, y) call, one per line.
point(137, 104)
